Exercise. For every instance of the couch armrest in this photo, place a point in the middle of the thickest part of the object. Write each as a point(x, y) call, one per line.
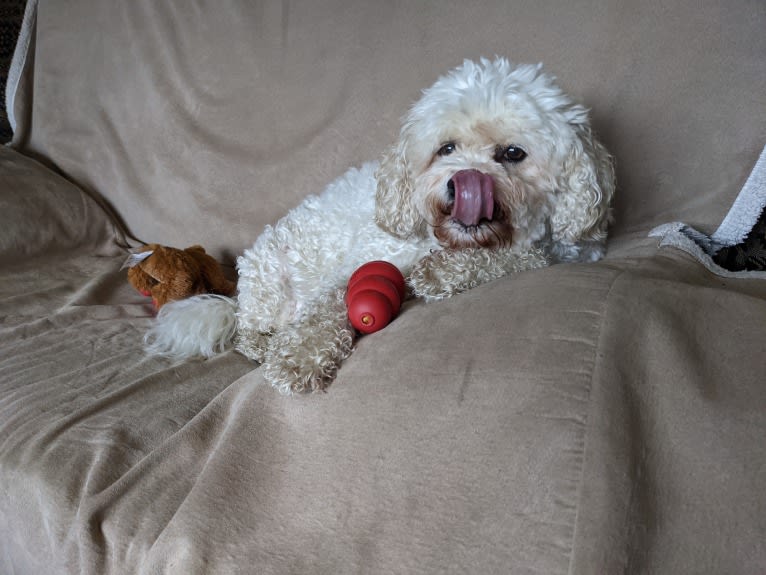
point(43, 213)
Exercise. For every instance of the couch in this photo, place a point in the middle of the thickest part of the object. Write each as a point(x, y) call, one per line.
point(585, 418)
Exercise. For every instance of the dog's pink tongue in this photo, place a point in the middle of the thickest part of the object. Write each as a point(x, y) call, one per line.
point(474, 197)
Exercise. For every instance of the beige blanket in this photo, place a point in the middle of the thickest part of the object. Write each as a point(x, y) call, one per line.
point(601, 418)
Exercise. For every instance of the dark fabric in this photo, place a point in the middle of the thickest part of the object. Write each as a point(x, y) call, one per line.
point(750, 255)
point(11, 15)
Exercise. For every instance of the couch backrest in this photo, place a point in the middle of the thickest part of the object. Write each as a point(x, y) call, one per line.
point(202, 122)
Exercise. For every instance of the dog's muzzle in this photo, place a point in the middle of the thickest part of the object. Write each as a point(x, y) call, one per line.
point(474, 197)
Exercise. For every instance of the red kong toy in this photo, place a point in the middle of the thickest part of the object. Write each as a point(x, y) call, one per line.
point(375, 294)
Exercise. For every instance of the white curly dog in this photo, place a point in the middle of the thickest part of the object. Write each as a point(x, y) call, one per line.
point(496, 171)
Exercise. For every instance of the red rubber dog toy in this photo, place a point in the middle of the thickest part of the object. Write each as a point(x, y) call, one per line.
point(375, 294)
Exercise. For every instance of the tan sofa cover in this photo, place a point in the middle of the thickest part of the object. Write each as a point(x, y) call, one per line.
point(600, 418)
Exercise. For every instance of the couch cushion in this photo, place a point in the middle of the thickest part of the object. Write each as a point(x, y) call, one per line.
point(577, 419)
point(185, 468)
point(43, 214)
point(673, 452)
point(200, 125)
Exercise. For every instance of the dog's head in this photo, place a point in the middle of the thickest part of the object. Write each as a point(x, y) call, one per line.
point(494, 155)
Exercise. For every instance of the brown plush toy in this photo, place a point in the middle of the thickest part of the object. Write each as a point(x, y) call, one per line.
point(168, 274)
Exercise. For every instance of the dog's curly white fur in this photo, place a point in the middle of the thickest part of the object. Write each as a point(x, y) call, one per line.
point(495, 171)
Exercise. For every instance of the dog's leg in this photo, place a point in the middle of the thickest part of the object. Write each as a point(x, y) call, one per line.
point(445, 273)
point(251, 343)
point(305, 356)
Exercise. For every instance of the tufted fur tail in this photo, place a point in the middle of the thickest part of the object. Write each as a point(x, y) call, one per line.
point(202, 325)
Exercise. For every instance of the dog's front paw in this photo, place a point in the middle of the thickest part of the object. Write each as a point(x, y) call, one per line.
point(445, 273)
point(300, 364)
point(305, 356)
point(431, 278)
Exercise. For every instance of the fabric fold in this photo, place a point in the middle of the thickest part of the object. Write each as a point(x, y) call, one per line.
point(743, 215)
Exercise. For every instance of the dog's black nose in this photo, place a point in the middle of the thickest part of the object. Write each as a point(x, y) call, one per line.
point(451, 191)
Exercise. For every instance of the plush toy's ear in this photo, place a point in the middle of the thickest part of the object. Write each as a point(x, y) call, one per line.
point(395, 211)
point(582, 211)
point(212, 276)
point(138, 277)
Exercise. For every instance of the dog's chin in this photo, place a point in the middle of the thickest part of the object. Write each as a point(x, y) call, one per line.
point(453, 234)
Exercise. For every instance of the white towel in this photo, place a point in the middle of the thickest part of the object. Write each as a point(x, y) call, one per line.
point(741, 218)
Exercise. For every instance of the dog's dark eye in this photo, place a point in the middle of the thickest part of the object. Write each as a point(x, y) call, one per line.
point(512, 154)
point(446, 149)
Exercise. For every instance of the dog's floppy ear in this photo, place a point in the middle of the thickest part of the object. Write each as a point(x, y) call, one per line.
point(395, 211)
point(585, 189)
